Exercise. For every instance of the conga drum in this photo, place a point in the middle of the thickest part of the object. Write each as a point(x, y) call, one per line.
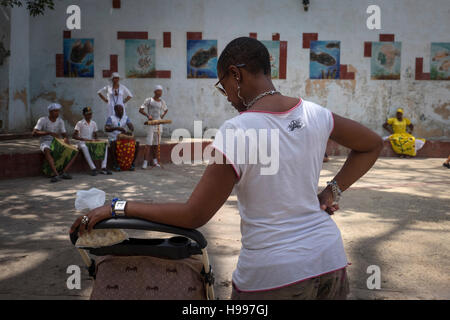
point(97, 149)
point(125, 149)
point(62, 154)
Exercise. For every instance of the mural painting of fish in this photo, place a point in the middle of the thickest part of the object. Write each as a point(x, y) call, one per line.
point(323, 58)
point(201, 57)
point(440, 55)
point(143, 50)
point(79, 51)
point(333, 45)
point(440, 61)
point(387, 55)
point(385, 63)
point(79, 58)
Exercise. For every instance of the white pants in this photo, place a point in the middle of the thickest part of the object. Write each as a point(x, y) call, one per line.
point(152, 135)
point(87, 156)
point(45, 145)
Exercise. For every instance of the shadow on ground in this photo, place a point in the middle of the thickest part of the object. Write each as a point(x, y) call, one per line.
point(397, 218)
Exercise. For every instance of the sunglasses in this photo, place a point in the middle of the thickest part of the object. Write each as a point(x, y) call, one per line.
point(218, 85)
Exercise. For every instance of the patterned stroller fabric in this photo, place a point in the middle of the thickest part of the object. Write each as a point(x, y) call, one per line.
point(148, 278)
point(125, 149)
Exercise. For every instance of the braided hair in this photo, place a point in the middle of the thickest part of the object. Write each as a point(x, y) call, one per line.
point(245, 50)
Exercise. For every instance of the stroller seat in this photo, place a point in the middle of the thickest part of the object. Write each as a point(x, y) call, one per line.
point(156, 269)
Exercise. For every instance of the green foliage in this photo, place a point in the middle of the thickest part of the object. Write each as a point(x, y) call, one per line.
point(35, 7)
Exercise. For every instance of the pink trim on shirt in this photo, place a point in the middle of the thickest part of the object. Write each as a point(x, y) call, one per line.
point(275, 112)
point(286, 285)
point(332, 117)
point(228, 160)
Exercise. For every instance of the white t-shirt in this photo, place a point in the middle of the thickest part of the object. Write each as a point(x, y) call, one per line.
point(86, 130)
point(45, 124)
point(154, 108)
point(286, 237)
point(115, 96)
point(114, 121)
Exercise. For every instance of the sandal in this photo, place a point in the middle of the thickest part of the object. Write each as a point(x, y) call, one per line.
point(65, 176)
point(105, 171)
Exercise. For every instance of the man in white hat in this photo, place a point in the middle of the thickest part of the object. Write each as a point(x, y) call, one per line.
point(48, 128)
point(154, 108)
point(116, 93)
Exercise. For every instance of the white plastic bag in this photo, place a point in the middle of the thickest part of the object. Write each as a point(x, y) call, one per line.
point(89, 199)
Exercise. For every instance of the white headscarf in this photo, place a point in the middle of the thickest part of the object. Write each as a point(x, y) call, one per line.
point(54, 106)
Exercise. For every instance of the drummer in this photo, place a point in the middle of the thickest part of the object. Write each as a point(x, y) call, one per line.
point(154, 108)
point(86, 131)
point(116, 93)
point(115, 125)
point(48, 128)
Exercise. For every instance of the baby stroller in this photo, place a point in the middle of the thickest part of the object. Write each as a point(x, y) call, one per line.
point(154, 269)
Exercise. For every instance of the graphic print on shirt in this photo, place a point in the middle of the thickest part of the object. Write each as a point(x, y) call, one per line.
point(296, 124)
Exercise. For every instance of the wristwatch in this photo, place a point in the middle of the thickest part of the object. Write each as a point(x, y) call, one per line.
point(118, 208)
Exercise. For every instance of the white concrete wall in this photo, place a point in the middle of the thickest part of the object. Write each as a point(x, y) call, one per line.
point(5, 32)
point(19, 110)
point(416, 23)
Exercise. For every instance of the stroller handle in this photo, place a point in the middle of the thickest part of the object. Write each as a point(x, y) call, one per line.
point(141, 224)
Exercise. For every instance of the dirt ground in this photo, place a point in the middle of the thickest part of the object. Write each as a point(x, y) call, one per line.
point(396, 217)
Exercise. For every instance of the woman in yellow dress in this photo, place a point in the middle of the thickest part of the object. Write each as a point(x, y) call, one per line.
point(403, 142)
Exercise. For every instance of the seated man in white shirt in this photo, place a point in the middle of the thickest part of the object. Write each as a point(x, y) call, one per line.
point(115, 125)
point(86, 131)
point(48, 128)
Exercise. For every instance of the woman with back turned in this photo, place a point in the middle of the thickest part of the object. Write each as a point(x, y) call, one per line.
point(291, 247)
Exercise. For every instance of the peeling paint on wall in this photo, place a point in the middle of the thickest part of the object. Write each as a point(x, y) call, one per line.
point(424, 131)
point(317, 87)
point(4, 101)
point(4, 107)
point(443, 110)
point(369, 102)
point(22, 96)
point(3, 53)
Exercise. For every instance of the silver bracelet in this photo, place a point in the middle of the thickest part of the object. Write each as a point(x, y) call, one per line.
point(335, 189)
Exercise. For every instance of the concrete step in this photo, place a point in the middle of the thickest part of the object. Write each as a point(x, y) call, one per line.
point(431, 149)
point(22, 158)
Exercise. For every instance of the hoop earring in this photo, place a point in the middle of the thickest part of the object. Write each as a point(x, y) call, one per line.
point(239, 96)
